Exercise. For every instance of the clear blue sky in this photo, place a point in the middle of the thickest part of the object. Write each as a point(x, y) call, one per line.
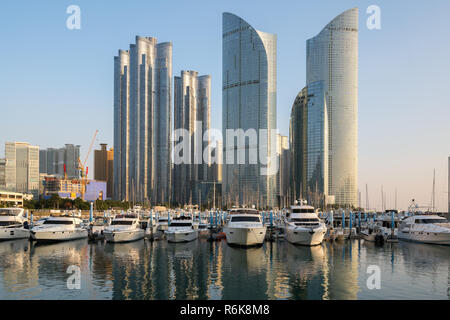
point(56, 85)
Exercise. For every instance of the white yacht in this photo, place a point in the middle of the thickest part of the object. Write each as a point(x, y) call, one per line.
point(40, 221)
point(244, 227)
point(59, 229)
point(181, 230)
point(431, 229)
point(124, 228)
point(13, 224)
point(303, 225)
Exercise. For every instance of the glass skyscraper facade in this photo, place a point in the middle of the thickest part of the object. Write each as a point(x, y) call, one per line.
point(142, 121)
point(192, 113)
point(309, 138)
point(249, 77)
point(121, 125)
point(332, 58)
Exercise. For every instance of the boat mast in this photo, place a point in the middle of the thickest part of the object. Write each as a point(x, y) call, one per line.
point(367, 198)
point(433, 193)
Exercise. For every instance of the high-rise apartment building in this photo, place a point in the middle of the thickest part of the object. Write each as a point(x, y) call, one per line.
point(283, 172)
point(52, 161)
point(192, 113)
point(309, 141)
point(103, 167)
point(332, 57)
point(324, 117)
point(249, 78)
point(142, 121)
point(22, 168)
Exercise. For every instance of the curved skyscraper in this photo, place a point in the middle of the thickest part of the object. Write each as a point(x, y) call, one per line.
point(308, 132)
point(249, 74)
point(332, 57)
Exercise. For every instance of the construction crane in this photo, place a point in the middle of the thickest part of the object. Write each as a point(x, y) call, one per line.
point(83, 169)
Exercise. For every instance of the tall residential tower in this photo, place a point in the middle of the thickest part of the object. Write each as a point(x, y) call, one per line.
point(192, 113)
point(324, 118)
point(332, 57)
point(142, 121)
point(249, 78)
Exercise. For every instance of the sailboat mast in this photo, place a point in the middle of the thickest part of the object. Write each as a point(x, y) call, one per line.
point(433, 203)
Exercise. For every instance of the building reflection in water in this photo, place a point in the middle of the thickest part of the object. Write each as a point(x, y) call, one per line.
point(19, 275)
point(214, 270)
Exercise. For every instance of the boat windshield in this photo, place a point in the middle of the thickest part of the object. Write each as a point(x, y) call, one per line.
point(303, 210)
point(181, 224)
point(305, 220)
point(245, 219)
point(243, 211)
point(8, 223)
point(121, 222)
point(430, 221)
point(9, 212)
point(58, 222)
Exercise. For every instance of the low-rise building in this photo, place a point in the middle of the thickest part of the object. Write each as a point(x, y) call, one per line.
point(12, 199)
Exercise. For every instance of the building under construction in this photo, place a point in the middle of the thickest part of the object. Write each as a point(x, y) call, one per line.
point(73, 188)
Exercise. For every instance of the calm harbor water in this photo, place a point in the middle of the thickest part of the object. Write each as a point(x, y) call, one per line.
point(213, 270)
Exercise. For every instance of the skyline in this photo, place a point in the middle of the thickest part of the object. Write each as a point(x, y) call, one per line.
point(422, 154)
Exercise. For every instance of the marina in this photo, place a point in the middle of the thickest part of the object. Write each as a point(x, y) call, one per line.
point(213, 270)
point(242, 253)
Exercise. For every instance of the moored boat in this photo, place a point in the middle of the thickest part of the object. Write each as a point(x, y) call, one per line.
point(431, 229)
point(59, 229)
point(181, 229)
point(124, 228)
point(13, 224)
point(303, 225)
point(244, 227)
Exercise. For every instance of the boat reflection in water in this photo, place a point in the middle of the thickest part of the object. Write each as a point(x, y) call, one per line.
point(213, 270)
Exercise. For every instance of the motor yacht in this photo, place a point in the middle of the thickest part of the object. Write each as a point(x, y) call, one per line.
point(303, 225)
point(181, 229)
point(372, 233)
point(244, 227)
point(388, 224)
point(431, 229)
point(13, 224)
point(59, 229)
point(97, 227)
point(124, 228)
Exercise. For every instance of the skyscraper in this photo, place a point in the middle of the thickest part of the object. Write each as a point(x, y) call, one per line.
point(52, 161)
point(283, 172)
point(332, 62)
point(192, 113)
point(249, 77)
point(103, 167)
point(22, 168)
point(142, 121)
point(121, 125)
point(309, 141)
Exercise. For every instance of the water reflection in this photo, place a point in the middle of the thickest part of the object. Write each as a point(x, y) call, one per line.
point(214, 270)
